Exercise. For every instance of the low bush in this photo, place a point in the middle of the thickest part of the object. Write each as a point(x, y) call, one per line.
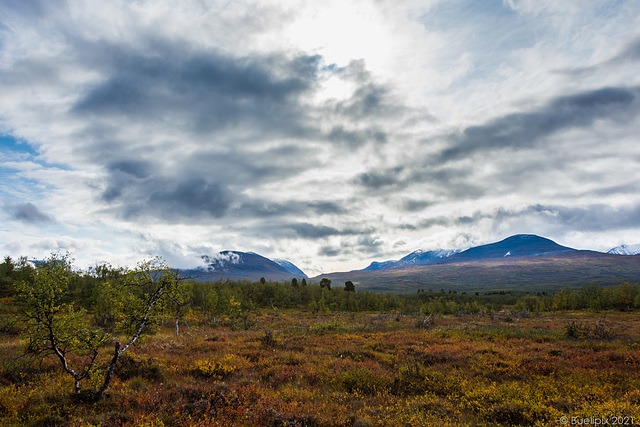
point(600, 330)
point(361, 380)
point(130, 366)
point(218, 369)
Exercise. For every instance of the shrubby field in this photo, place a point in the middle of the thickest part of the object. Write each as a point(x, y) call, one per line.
point(300, 354)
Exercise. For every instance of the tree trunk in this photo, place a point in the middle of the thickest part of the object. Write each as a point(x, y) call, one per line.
point(110, 370)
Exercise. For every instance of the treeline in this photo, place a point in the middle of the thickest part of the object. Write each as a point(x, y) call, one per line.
point(235, 299)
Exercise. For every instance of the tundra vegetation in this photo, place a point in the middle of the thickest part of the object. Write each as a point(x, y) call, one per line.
point(180, 352)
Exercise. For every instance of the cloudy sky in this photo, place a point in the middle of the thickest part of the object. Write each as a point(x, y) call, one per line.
point(329, 133)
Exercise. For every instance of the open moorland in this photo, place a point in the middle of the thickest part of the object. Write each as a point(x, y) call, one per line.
point(295, 368)
point(298, 354)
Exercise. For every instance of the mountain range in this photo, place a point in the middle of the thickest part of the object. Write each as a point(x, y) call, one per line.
point(519, 259)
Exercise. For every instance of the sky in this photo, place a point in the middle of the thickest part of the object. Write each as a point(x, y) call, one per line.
point(330, 133)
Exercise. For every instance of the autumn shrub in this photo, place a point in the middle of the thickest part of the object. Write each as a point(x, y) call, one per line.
point(600, 330)
point(576, 330)
point(633, 397)
point(410, 380)
point(268, 340)
point(320, 328)
point(49, 421)
point(415, 379)
point(130, 366)
point(220, 369)
point(518, 414)
point(361, 380)
point(291, 420)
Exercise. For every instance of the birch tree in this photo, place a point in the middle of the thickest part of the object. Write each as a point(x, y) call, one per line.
point(55, 327)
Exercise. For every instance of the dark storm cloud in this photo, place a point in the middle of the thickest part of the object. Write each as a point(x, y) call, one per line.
point(451, 182)
point(368, 244)
point(262, 209)
point(310, 231)
point(597, 217)
point(138, 169)
point(329, 251)
point(379, 179)
point(325, 208)
point(187, 200)
point(207, 91)
point(26, 212)
point(410, 205)
point(248, 167)
point(356, 138)
point(369, 100)
point(225, 103)
point(525, 130)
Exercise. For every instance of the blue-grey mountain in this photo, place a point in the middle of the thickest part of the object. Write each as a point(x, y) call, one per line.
point(418, 257)
point(514, 246)
point(625, 250)
point(235, 265)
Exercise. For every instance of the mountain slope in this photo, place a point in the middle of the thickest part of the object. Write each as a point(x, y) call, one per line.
point(419, 257)
point(290, 267)
point(625, 250)
point(234, 265)
point(515, 246)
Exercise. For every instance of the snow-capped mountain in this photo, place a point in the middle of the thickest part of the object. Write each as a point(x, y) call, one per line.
point(625, 250)
point(237, 265)
point(290, 267)
point(419, 257)
point(422, 257)
point(514, 246)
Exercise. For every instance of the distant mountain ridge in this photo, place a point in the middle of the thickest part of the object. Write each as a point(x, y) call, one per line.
point(518, 245)
point(625, 250)
point(418, 257)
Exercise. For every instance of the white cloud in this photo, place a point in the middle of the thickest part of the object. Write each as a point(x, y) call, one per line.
point(324, 133)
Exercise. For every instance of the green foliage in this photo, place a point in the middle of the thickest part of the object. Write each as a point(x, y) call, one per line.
point(219, 369)
point(12, 272)
point(600, 330)
point(128, 303)
point(268, 340)
point(325, 283)
point(53, 326)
